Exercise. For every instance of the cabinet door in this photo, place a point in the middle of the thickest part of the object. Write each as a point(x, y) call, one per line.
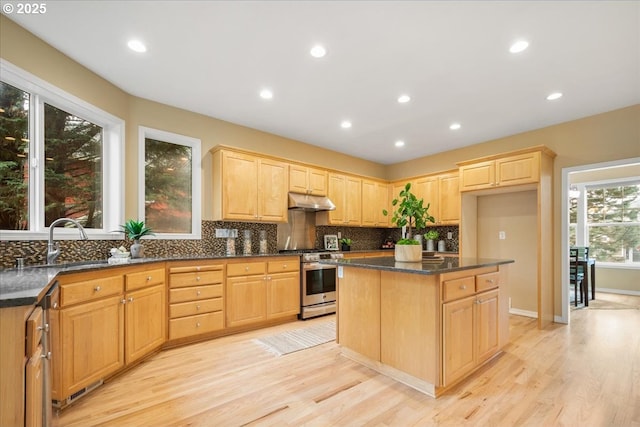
point(145, 320)
point(298, 179)
point(370, 202)
point(317, 182)
point(283, 294)
point(337, 188)
point(34, 390)
point(92, 342)
point(428, 189)
point(449, 199)
point(487, 311)
point(520, 169)
point(272, 191)
point(478, 176)
point(353, 201)
point(240, 186)
point(246, 300)
point(457, 352)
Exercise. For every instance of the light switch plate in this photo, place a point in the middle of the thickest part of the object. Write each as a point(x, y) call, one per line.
point(502, 235)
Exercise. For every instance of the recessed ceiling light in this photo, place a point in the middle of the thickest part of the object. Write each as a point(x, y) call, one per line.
point(137, 46)
point(403, 99)
point(399, 144)
point(266, 94)
point(455, 126)
point(318, 51)
point(346, 124)
point(554, 96)
point(519, 46)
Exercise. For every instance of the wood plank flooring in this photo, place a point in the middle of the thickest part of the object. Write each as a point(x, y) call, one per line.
point(585, 374)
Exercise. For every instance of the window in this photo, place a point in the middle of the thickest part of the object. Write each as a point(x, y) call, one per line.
point(611, 217)
point(170, 183)
point(54, 152)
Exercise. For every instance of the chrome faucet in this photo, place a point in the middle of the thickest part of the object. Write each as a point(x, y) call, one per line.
point(53, 248)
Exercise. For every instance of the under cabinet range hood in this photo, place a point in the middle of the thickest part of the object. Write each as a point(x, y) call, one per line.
point(307, 202)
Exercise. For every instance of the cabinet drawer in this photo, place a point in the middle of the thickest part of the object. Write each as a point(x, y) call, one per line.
point(197, 293)
point(195, 279)
point(196, 268)
point(34, 330)
point(144, 279)
point(458, 288)
point(283, 266)
point(73, 293)
point(246, 269)
point(195, 325)
point(487, 281)
point(195, 307)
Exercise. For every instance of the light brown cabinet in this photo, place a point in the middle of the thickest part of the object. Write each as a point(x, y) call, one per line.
point(443, 194)
point(262, 291)
point(307, 180)
point(375, 198)
point(346, 192)
point(249, 188)
point(504, 171)
point(104, 323)
point(196, 304)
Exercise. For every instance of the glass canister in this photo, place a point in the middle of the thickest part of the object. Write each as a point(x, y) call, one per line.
point(246, 244)
point(263, 242)
point(231, 246)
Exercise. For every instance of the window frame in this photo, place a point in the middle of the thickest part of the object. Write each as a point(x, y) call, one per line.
point(583, 226)
point(112, 157)
point(196, 172)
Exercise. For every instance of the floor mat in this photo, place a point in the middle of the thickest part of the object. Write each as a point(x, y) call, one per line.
point(299, 339)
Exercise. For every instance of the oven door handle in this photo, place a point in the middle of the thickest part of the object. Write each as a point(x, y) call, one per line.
point(317, 266)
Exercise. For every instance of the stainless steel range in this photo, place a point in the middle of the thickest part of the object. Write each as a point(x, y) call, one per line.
point(318, 284)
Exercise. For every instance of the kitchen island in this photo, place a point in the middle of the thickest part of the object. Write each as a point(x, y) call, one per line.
point(428, 324)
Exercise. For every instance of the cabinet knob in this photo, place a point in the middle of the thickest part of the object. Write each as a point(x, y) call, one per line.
point(130, 299)
point(97, 289)
point(123, 301)
point(197, 324)
point(284, 266)
point(55, 305)
point(198, 268)
point(47, 355)
point(197, 307)
point(246, 268)
point(148, 278)
point(197, 293)
point(463, 287)
point(490, 281)
point(198, 279)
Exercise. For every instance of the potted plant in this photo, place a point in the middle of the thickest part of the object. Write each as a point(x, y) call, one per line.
point(431, 236)
point(135, 230)
point(345, 243)
point(410, 212)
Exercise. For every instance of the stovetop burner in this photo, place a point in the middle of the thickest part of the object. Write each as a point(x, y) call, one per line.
point(311, 255)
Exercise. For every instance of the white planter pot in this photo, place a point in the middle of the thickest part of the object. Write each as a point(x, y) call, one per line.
point(408, 253)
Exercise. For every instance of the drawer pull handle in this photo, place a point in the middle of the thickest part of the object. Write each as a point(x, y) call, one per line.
point(46, 356)
point(198, 268)
point(148, 278)
point(198, 278)
point(130, 299)
point(123, 301)
point(463, 287)
point(197, 324)
point(197, 307)
point(197, 293)
point(490, 281)
point(246, 269)
point(97, 289)
point(284, 266)
point(55, 305)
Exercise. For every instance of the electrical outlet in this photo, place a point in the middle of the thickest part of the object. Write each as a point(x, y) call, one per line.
point(502, 235)
point(339, 235)
point(222, 232)
point(449, 235)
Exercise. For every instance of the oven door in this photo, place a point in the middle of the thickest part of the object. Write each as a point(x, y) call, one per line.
point(318, 283)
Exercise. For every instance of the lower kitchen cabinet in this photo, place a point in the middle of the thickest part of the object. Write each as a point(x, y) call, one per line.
point(105, 321)
point(261, 291)
point(196, 301)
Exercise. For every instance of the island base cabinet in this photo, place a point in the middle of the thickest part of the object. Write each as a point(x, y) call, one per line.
point(470, 334)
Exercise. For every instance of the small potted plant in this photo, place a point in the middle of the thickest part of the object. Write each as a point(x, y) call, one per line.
point(410, 212)
point(345, 244)
point(431, 236)
point(135, 230)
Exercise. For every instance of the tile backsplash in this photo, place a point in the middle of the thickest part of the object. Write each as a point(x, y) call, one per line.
point(34, 251)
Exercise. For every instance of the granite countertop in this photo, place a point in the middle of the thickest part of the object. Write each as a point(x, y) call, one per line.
point(27, 286)
point(446, 265)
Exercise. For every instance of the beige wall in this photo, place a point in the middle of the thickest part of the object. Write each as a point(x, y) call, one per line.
point(604, 137)
point(618, 280)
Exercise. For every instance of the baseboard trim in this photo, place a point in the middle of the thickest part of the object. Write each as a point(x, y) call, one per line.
point(618, 291)
point(525, 313)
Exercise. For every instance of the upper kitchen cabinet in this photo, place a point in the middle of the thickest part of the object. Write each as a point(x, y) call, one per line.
point(521, 167)
point(441, 192)
point(248, 187)
point(345, 192)
point(307, 180)
point(375, 197)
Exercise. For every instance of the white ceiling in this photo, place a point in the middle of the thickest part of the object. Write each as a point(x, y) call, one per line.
point(452, 58)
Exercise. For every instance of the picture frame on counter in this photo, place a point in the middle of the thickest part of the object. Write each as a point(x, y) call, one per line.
point(331, 242)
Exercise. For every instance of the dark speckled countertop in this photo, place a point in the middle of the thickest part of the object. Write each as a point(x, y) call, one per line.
point(28, 285)
point(446, 265)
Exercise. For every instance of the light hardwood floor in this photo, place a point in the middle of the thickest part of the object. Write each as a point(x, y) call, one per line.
point(585, 374)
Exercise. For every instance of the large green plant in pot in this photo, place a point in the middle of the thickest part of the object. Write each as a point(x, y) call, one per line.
point(412, 213)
